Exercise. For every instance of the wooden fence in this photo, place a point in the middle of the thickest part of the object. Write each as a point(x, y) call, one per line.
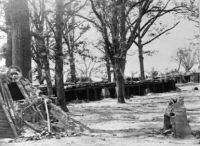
point(92, 91)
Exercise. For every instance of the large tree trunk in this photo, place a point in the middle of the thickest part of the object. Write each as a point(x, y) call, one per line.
point(119, 67)
point(9, 34)
point(9, 49)
point(59, 55)
point(140, 46)
point(21, 40)
point(141, 60)
point(121, 61)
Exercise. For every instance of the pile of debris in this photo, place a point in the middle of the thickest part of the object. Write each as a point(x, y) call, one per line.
point(23, 108)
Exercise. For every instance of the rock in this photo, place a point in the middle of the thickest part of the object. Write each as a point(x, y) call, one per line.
point(196, 88)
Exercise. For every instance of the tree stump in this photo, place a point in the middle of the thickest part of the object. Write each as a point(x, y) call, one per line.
point(175, 118)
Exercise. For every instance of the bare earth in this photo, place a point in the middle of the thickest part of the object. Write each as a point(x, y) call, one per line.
point(136, 123)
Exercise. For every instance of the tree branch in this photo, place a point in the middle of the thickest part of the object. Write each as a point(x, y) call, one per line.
point(4, 29)
point(161, 34)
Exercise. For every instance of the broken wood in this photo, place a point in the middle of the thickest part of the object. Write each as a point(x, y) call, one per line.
point(47, 113)
point(65, 119)
point(32, 126)
point(28, 99)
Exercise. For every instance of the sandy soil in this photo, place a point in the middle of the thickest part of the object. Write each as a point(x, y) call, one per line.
point(138, 122)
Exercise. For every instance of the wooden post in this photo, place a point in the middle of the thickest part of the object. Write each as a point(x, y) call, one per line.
point(139, 88)
point(128, 90)
point(163, 86)
point(88, 94)
point(95, 93)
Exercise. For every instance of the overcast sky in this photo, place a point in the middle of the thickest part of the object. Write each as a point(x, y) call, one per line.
point(166, 47)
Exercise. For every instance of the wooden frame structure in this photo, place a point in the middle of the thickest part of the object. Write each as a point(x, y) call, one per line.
point(9, 117)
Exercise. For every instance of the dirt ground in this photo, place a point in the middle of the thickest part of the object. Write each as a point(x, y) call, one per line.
point(137, 122)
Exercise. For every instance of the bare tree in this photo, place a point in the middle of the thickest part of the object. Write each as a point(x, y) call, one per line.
point(110, 20)
point(40, 49)
point(59, 55)
point(89, 67)
point(73, 31)
point(118, 23)
point(101, 46)
point(148, 30)
point(186, 58)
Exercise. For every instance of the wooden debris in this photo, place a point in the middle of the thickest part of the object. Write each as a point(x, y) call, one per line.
point(65, 119)
point(26, 110)
point(32, 126)
point(47, 113)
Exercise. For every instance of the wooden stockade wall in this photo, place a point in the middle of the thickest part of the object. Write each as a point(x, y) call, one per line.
point(192, 77)
point(92, 91)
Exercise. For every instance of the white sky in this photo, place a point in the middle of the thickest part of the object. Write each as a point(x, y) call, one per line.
point(166, 46)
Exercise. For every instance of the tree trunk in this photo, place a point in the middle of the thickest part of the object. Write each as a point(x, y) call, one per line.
point(44, 53)
point(108, 70)
point(40, 75)
point(107, 64)
point(140, 46)
point(121, 60)
point(9, 49)
point(141, 60)
point(119, 67)
point(9, 34)
point(59, 55)
point(179, 65)
point(72, 66)
point(21, 40)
